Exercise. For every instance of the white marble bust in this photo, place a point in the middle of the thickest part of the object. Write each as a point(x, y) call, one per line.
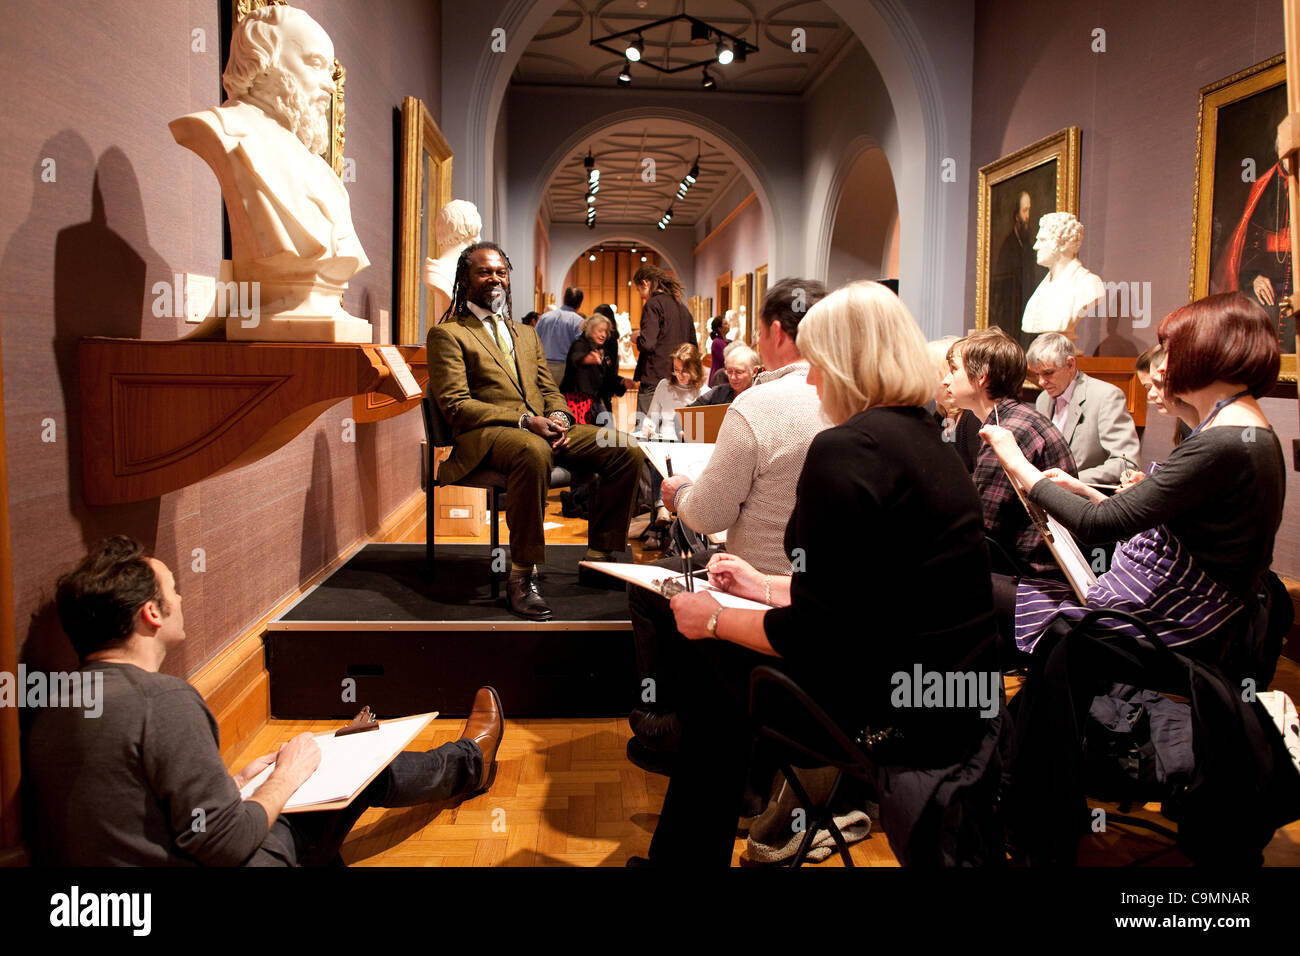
point(457, 225)
point(1068, 288)
point(290, 219)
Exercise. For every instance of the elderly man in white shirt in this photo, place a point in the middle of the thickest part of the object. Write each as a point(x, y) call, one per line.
point(1091, 414)
point(747, 490)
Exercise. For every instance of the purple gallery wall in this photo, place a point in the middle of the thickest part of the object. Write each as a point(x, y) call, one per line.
point(1136, 104)
point(91, 87)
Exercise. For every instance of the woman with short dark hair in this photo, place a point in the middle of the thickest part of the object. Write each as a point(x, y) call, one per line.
point(1197, 534)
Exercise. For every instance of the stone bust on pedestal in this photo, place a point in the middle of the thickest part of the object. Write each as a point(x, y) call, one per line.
point(457, 225)
point(1069, 289)
point(290, 219)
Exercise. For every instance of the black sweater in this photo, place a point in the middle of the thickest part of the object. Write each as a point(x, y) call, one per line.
point(1220, 493)
point(891, 570)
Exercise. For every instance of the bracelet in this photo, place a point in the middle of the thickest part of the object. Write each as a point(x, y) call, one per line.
point(712, 626)
point(767, 589)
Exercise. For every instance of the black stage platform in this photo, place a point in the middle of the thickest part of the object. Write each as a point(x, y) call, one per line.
point(415, 641)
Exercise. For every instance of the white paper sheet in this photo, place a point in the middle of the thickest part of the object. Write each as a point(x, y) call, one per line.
point(1076, 567)
point(348, 762)
point(689, 458)
point(648, 576)
point(401, 371)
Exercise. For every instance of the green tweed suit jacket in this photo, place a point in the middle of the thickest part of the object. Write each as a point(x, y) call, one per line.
point(473, 385)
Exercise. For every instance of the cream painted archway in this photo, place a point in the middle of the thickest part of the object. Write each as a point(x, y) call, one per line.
point(929, 92)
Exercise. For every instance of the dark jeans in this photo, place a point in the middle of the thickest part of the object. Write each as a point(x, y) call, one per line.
point(659, 645)
point(411, 779)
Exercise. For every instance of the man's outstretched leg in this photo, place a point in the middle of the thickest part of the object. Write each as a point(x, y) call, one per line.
point(462, 767)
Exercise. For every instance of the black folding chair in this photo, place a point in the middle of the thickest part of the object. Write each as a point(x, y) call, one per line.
point(494, 482)
point(768, 687)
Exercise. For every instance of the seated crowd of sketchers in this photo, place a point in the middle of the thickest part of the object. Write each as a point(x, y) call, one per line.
point(845, 429)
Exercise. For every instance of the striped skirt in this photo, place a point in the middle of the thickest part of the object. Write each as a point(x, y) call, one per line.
point(1152, 577)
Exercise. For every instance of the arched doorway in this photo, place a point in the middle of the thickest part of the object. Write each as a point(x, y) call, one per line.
point(865, 238)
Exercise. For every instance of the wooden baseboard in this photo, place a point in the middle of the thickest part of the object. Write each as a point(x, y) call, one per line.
point(235, 684)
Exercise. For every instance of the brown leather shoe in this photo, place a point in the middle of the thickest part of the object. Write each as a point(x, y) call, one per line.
point(485, 725)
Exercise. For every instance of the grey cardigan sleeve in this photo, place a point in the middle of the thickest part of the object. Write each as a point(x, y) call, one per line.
point(209, 820)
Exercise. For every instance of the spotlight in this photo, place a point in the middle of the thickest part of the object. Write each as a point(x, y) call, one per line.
point(725, 53)
point(707, 81)
point(694, 174)
point(591, 258)
point(591, 199)
point(593, 186)
point(635, 49)
point(700, 32)
point(643, 258)
point(625, 75)
point(634, 250)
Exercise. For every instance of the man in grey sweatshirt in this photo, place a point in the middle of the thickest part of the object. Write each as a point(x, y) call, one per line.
point(141, 782)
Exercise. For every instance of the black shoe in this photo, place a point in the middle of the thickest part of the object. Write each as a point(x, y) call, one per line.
point(651, 761)
point(524, 599)
point(657, 730)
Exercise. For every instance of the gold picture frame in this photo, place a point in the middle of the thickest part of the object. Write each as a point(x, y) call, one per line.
point(1048, 171)
point(760, 286)
point(1236, 157)
point(337, 116)
point(425, 188)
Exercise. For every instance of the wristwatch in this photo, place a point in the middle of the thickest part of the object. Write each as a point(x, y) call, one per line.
point(523, 420)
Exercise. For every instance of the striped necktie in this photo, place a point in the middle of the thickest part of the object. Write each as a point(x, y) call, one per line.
point(503, 345)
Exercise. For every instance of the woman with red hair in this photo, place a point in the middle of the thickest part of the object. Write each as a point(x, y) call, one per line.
point(1197, 535)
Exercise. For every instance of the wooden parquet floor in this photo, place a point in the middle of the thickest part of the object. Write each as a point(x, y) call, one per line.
point(565, 793)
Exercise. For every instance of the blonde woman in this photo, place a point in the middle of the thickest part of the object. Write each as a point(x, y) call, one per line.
point(682, 388)
point(883, 511)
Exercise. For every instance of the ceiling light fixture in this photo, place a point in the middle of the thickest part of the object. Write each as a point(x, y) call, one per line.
point(630, 45)
point(707, 81)
point(689, 179)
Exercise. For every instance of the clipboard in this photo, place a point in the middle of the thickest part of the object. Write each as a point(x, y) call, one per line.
point(1078, 572)
point(348, 761)
point(650, 577)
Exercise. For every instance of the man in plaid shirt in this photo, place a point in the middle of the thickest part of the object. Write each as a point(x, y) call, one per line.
point(986, 371)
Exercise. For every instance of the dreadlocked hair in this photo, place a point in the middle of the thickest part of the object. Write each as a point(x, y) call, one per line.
point(460, 288)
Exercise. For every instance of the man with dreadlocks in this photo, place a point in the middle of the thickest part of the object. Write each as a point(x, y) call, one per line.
point(489, 378)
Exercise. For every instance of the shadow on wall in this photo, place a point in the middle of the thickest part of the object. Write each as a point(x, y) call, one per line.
point(103, 270)
point(319, 542)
